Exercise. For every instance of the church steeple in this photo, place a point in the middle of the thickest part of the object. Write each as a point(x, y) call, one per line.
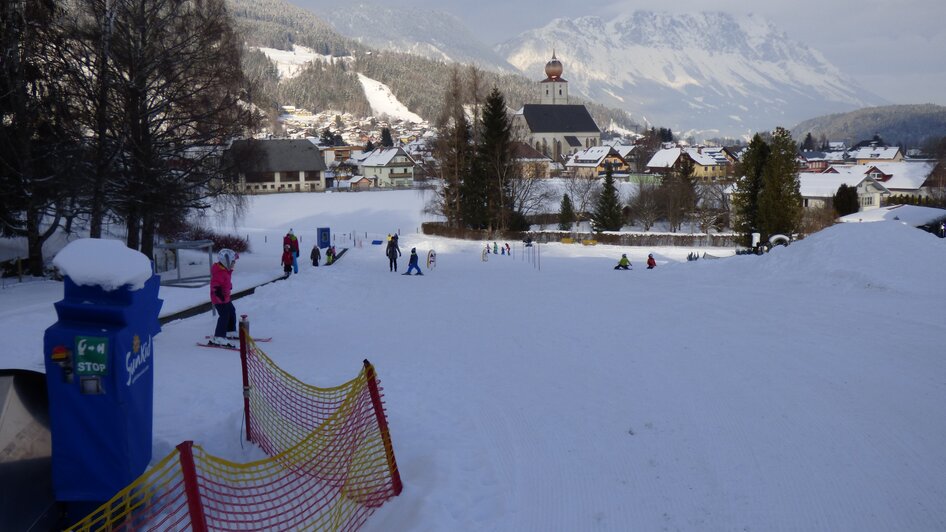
point(553, 89)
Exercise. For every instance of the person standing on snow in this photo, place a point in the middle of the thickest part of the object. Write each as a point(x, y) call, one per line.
point(651, 263)
point(220, 288)
point(623, 264)
point(393, 252)
point(315, 255)
point(294, 248)
point(286, 260)
point(412, 265)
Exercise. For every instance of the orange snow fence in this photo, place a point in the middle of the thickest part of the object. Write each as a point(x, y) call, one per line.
point(331, 463)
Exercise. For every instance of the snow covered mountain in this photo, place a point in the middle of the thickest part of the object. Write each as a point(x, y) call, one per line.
point(424, 32)
point(703, 72)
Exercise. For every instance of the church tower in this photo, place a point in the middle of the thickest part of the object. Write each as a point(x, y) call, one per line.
point(553, 90)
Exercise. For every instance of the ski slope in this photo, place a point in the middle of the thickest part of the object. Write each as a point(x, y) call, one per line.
point(800, 390)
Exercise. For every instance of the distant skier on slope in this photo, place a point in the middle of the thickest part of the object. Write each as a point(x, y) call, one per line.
point(651, 263)
point(412, 264)
point(623, 264)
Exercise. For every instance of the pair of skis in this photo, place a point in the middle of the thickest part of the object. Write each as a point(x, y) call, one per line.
point(229, 348)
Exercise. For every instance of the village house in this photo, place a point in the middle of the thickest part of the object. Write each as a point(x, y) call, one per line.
point(905, 178)
point(277, 165)
point(874, 154)
point(553, 126)
point(388, 167)
point(531, 162)
point(595, 161)
point(818, 189)
point(713, 166)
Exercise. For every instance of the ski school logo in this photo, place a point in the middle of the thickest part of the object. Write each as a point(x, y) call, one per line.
point(137, 360)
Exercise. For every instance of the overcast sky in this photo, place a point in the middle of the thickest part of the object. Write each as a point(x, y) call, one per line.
point(895, 49)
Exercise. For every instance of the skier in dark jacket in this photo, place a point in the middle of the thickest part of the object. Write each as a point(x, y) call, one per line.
point(412, 265)
point(315, 255)
point(393, 252)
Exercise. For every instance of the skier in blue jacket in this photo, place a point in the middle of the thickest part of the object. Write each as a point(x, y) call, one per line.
point(412, 264)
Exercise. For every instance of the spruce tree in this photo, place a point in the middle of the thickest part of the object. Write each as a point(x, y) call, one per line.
point(780, 201)
point(566, 214)
point(369, 146)
point(386, 140)
point(607, 214)
point(495, 160)
point(845, 200)
point(745, 200)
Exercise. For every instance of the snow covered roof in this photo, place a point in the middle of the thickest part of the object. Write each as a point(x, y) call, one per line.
point(910, 214)
point(905, 175)
point(591, 157)
point(702, 158)
point(664, 158)
point(822, 185)
point(875, 152)
point(382, 157)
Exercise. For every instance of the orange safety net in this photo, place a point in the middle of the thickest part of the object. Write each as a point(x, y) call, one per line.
point(331, 464)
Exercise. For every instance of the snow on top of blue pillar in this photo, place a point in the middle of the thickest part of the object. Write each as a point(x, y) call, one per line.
point(105, 263)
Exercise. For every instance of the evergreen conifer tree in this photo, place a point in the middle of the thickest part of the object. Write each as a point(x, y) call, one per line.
point(369, 146)
point(745, 200)
point(607, 213)
point(566, 214)
point(845, 200)
point(495, 160)
point(780, 202)
point(386, 140)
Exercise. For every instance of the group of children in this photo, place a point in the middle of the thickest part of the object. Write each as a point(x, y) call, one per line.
point(499, 250)
point(290, 254)
point(625, 264)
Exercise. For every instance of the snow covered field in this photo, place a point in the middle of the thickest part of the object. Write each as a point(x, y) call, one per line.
point(800, 390)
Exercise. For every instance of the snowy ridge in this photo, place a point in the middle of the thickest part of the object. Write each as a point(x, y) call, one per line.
point(713, 63)
point(421, 31)
point(290, 63)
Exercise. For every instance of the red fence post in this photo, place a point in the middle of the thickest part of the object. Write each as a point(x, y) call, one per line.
point(383, 425)
point(244, 336)
point(191, 490)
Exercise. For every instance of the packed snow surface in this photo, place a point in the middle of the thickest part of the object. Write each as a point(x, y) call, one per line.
point(384, 102)
point(106, 263)
point(799, 390)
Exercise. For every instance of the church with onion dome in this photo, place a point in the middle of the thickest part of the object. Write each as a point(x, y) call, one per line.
point(553, 126)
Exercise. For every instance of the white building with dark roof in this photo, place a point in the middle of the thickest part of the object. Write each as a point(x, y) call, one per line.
point(554, 126)
point(388, 167)
point(277, 165)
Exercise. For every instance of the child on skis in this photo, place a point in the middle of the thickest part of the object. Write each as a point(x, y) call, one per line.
point(412, 264)
point(623, 264)
point(651, 263)
point(220, 288)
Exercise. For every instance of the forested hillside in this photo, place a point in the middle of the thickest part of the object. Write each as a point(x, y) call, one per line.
point(419, 83)
point(907, 125)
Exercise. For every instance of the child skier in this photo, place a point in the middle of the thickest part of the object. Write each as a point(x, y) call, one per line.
point(287, 259)
point(315, 255)
point(651, 263)
point(623, 264)
point(220, 288)
point(412, 264)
